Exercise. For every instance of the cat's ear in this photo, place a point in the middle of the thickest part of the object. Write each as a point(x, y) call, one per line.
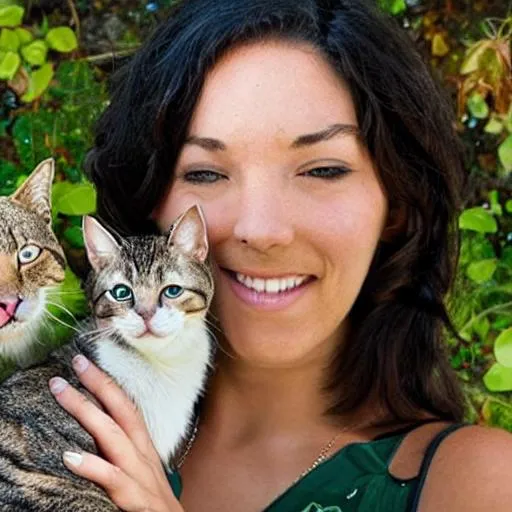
point(189, 234)
point(100, 245)
point(35, 192)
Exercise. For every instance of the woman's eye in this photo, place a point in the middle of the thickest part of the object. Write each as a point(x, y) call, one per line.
point(121, 293)
point(173, 291)
point(203, 176)
point(329, 173)
point(28, 254)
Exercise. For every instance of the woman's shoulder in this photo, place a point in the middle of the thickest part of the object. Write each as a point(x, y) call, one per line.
point(470, 471)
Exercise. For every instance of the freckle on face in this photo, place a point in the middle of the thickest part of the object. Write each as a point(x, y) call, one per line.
point(267, 213)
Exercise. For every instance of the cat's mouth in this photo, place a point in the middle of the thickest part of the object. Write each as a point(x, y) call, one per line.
point(8, 309)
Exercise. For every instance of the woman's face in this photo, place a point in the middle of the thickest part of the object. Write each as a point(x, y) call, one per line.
point(292, 201)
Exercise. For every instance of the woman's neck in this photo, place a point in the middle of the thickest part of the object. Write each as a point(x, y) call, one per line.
point(256, 402)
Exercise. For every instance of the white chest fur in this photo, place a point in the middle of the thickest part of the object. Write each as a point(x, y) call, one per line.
point(163, 385)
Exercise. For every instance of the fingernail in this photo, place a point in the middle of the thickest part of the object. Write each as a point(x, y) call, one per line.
point(57, 384)
point(72, 458)
point(80, 364)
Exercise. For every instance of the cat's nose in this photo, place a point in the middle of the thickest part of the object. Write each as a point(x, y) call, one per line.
point(146, 313)
point(8, 306)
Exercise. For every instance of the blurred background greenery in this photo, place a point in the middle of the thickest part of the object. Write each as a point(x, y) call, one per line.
point(55, 60)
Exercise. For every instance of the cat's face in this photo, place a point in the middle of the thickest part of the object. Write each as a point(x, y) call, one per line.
point(31, 260)
point(148, 289)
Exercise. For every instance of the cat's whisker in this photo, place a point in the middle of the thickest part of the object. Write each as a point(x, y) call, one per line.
point(92, 336)
point(97, 334)
point(57, 319)
point(209, 323)
point(60, 293)
point(210, 314)
point(63, 308)
point(223, 350)
point(216, 341)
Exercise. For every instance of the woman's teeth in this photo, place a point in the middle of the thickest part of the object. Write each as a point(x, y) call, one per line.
point(270, 285)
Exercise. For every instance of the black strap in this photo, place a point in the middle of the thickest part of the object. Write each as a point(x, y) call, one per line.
point(427, 460)
point(406, 429)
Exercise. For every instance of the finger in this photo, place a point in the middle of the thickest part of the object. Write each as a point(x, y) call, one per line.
point(109, 436)
point(121, 488)
point(116, 402)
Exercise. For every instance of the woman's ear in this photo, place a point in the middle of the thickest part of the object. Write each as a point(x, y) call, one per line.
point(396, 223)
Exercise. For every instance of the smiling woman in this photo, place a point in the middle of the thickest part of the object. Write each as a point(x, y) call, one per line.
point(326, 164)
point(289, 192)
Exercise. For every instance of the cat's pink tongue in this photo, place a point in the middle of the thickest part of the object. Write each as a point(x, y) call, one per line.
point(7, 309)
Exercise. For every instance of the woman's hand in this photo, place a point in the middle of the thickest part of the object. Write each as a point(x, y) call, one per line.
point(132, 475)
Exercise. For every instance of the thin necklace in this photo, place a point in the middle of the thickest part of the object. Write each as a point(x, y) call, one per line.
point(322, 456)
point(189, 444)
point(324, 452)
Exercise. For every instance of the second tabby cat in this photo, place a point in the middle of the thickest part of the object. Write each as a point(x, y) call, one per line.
point(31, 262)
point(148, 296)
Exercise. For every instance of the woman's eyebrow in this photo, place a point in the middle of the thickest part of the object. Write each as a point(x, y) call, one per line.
point(328, 133)
point(211, 144)
point(206, 143)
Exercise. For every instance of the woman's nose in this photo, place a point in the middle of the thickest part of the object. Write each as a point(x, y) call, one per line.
point(263, 221)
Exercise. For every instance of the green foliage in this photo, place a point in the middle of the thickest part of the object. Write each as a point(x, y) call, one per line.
point(59, 126)
point(393, 6)
point(478, 219)
point(482, 303)
point(472, 54)
point(24, 52)
point(11, 16)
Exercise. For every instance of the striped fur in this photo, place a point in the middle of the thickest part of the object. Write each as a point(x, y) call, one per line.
point(162, 370)
point(25, 223)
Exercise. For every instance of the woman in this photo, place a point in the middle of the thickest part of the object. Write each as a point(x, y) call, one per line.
point(326, 164)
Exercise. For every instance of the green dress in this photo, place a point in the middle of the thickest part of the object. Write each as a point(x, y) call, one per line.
point(354, 479)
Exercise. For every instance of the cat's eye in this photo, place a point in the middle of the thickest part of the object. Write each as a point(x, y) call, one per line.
point(121, 293)
point(28, 254)
point(173, 291)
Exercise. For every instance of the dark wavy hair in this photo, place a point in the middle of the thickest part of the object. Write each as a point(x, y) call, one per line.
point(395, 352)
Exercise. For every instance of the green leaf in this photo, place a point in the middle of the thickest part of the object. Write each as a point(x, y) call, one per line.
point(494, 199)
point(24, 35)
point(11, 16)
point(497, 414)
point(9, 64)
point(44, 27)
point(39, 81)
point(505, 153)
point(478, 219)
point(498, 378)
point(471, 61)
point(481, 271)
point(62, 39)
point(77, 199)
point(393, 6)
point(502, 322)
point(477, 106)
point(481, 327)
point(35, 52)
point(494, 126)
point(9, 40)
point(439, 46)
point(508, 206)
point(74, 236)
point(508, 119)
point(503, 348)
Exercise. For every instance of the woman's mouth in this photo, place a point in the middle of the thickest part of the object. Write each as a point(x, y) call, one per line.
point(271, 293)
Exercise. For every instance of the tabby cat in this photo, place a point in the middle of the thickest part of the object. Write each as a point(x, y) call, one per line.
point(31, 262)
point(148, 297)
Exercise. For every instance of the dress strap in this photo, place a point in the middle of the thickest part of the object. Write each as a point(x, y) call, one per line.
point(427, 460)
